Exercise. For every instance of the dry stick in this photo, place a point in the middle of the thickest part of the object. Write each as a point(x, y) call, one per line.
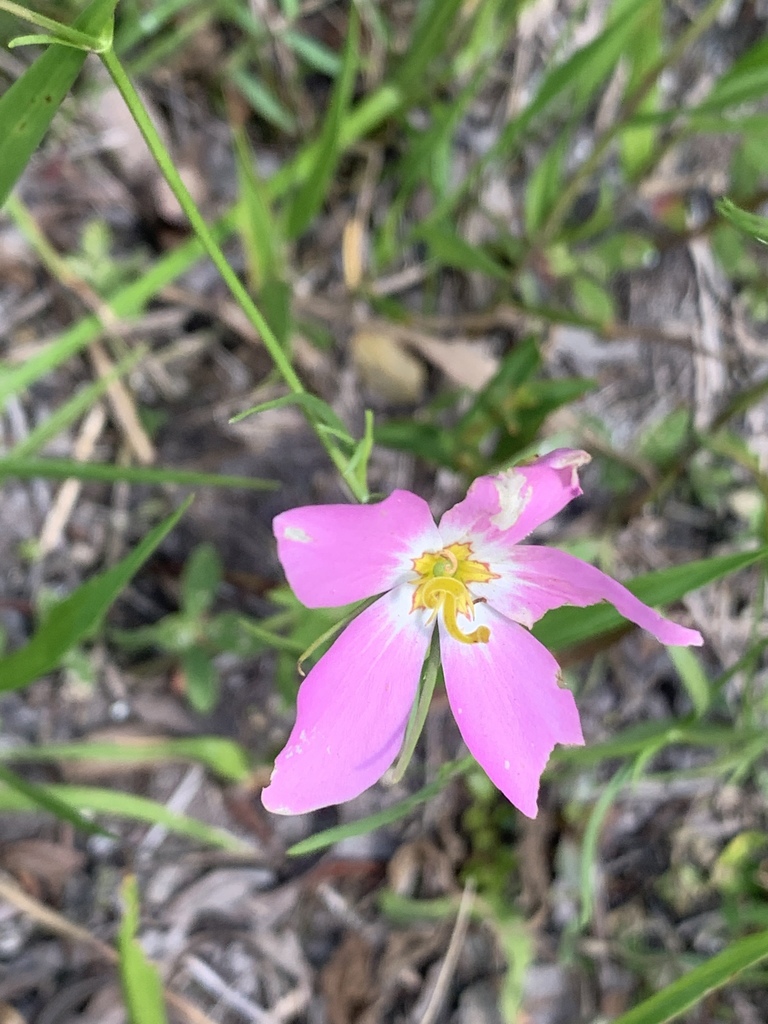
point(69, 492)
point(48, 919)
point(120, 398)
point(440, 991)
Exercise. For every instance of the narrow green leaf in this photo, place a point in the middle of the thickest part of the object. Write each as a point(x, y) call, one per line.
point(42, 796)
point(358, 828)
point(316, 407)
point(650, 735)
point(263, 101)
point(65, 469)
point(200, 580)
point(74, 407)
point(684, 993)
point(312, 194)
point(545, 184)
point(201, 678)
point(582, 72)
point(139, 979)
point(28, 106)
point(745, 81)
point(259, 227)
point(313, 53)
point(565, 627)
point(749, 223)
point(693, 676)
point(448, 247)
point(418, 717)
point(428, 45)
point(589, 846)
point(74, 618)
point(225, 758)
point(114, 804)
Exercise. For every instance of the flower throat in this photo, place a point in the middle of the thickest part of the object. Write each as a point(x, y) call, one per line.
point(442, 587)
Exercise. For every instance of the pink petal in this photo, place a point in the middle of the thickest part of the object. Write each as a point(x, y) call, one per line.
point(503, 509)
point(536, 579)
point(352, 710)
point(336, 554)
point(507, 703)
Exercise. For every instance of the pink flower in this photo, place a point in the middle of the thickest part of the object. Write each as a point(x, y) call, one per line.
point(469, 576)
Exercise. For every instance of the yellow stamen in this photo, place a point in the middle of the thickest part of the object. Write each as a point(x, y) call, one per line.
point(442, 587)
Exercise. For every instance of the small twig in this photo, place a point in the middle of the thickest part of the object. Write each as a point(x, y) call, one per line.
point(66, 498)
point(440, 991)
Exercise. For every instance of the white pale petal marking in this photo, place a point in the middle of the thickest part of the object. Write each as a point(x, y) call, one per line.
point(570, 458)
point(514, 494)
point(296, 533)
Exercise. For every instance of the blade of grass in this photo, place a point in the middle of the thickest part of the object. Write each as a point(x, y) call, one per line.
point(28, 106)
point(311, 196)
point(75, 407)
point(139, 979)
point(358, 828)
point(56, 31)
point(224, 757)
point(42, 797)
point(428, 44)
point(689, 990)
point(113, 804)
point(78, 615)
point(750, 223)
point(66, 469)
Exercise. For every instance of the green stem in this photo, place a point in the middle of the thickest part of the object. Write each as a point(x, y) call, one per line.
point(571, 192)
point(419, 712)
point(75, 38)
point(201, 229)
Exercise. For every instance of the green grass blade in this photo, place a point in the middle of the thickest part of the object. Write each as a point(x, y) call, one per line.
point(693, 677)
point(637, 739)
point(311, 196)
point(320, 411)
point(74, 618)
point(750, 223)
point(66, 469)
point(127, 302)
point(259, 227)
point(28, 106)
point(590, 843)
point(565, 627)
point(225, 758)
point(139, 979)
point(358, 828)
point(41, 796)
point(75, 407)
point(428, 45)
point(263, 101)
point(114, 804)
point(681, 995)
point(744, 82)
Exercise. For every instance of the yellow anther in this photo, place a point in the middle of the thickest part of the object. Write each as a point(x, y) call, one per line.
point(442, 585)
point(446, 594)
